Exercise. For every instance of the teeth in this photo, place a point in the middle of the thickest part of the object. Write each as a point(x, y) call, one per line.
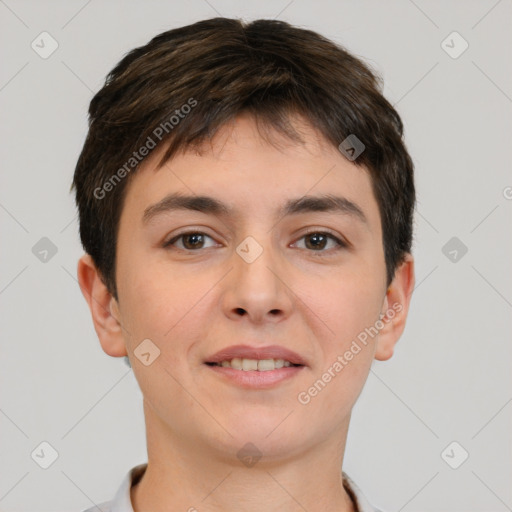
point(261, 365)
point(249, 364)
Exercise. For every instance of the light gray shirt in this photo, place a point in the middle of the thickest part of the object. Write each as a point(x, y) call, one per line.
point(122, 501)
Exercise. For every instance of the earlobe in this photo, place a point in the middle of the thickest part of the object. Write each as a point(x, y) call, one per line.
point(395, 309)
point(104, 309)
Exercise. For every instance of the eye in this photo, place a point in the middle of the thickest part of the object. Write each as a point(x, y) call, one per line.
point(192, 240)
point(319, 239)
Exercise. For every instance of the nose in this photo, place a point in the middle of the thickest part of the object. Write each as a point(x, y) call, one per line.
point(257, 288)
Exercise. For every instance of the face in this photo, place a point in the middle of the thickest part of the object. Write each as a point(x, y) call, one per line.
point(195, 282)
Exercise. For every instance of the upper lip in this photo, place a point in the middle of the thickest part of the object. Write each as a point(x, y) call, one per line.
point(248, 352)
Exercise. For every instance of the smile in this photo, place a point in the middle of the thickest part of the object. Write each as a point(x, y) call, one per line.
point(254, 373)
point(262, 365)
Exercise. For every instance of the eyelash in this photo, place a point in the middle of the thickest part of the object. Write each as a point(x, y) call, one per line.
point(340, 243)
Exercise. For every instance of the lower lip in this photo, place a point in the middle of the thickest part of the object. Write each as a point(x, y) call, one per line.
point(255, 379)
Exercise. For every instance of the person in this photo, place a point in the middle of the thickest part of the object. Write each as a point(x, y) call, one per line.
point(245, 202)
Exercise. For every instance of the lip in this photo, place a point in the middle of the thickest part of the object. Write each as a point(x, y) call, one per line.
point(248, 352)
point(254, 379)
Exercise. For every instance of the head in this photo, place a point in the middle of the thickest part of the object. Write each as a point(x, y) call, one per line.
point(252, 116)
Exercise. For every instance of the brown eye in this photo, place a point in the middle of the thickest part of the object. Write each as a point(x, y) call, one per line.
point(192, 240)
point(317, 241)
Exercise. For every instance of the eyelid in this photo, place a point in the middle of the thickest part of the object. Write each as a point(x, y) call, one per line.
point(340, 240)
point(326, 231)
point(187, 231)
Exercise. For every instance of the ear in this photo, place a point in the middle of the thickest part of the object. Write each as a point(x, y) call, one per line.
point(104, 308)
point(395, 309)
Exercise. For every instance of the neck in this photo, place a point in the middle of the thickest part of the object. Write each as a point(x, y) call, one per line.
point(184, 475)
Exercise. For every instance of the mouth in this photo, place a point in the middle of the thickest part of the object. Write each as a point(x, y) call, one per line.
point(260, 365)
point(247, 354)
point(255, 373)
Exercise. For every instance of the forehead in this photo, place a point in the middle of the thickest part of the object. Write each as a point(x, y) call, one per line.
point(250, 170)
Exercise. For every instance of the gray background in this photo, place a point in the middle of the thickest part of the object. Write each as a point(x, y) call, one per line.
point(449, 379)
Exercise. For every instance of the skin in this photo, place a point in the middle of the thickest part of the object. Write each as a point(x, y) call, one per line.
point(192, 304)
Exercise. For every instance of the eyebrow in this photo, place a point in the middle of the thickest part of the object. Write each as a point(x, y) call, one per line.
point(209, 205)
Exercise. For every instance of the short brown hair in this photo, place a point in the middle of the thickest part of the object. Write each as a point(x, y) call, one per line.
point(219, 68)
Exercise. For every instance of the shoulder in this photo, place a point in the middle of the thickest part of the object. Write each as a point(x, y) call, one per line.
point(121, 501)
point(359, 499)
point(106, 506)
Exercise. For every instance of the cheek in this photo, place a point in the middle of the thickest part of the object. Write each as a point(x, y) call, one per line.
point(148, 304)
point(349, 305)
point(347, 352)
point(164, 306)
